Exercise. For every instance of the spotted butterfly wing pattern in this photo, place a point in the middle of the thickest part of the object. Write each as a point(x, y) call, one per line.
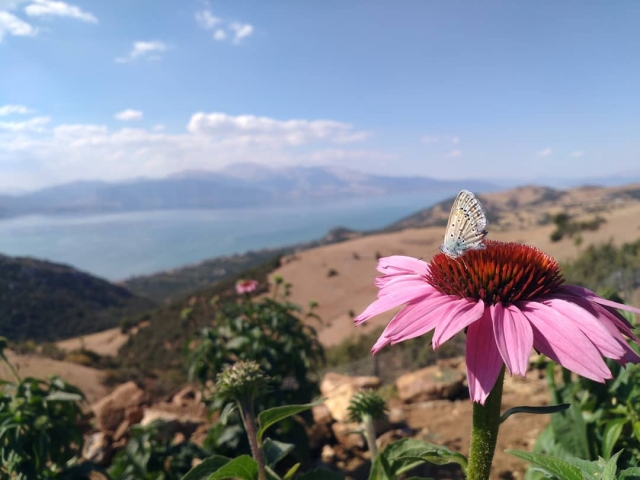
point(467, 225)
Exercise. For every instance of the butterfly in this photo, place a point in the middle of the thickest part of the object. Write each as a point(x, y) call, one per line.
point(466, 226)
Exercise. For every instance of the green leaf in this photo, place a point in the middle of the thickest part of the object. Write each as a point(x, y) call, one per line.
point(404, 455)
point(275, 451)
point(630, 474)
point(208, 467)
point(570, 431)
point(271, 475)
point(269, 417)
point(320, 474)
point(291, 472)
point(612, 433)
point(554, 466)
point(241, 468)
point(609, 471)
point(636, 430)
point(535, 410)
point(63, 397)
point(237, 343)
point(228, 409)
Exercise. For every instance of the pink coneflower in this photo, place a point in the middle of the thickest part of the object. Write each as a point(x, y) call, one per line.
point(246, 286)
point(510, 298)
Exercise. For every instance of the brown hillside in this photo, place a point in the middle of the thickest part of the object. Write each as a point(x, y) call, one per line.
point(351, 289)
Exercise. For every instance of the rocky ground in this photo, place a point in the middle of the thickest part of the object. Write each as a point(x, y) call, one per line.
point(429, 405)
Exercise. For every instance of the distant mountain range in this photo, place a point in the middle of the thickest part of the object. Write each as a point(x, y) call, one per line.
point(240, 185)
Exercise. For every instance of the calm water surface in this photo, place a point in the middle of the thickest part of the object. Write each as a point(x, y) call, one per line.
point(117, 246)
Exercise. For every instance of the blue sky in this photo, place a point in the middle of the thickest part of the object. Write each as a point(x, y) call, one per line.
point(117, 89)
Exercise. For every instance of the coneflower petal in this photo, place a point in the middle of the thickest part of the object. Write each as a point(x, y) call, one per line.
point(621, 323)
point(610, 323)
point(483, 358)
point(593, 329)
point(399, 265)
point(560, 340)
point(510, 297)
point(401, 282)
point(422, 317)
point(589, 295)
point(602, 312)
point(465, 314)
point(406, 319)
point(513, 337)
point(393, 300)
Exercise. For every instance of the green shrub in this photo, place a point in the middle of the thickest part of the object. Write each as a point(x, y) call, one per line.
point(40, 433)
point(606, 266)
point(556, 236)
point(151, 454)
point(565, 227)
point(269, 332)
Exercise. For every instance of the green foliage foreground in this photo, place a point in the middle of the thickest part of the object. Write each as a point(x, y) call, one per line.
point(39, 426)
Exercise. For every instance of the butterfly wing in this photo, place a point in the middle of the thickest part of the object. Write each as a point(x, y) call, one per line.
point(466, 227)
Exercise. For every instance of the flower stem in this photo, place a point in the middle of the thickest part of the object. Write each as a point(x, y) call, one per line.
point(484, 433)
point(11, 367)
point(370, 436)
point(249, 420)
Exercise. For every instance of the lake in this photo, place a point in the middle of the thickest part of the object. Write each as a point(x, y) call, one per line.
point(118, 246)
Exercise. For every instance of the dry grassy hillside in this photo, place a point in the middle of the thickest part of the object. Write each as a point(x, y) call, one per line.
point(340, 276)
point(107, 342)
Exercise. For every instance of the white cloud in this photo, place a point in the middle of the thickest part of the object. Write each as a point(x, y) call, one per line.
point(128, 114)
point(224, 30)
point(454, 154)
point(254, 129)
point(35, 124)
point(158, 128)
point(12, 25)
point(58, 153)
point(240, 31)
point(452, 139)
point(577, 153)
point(545, 153)
point(150, 50)
point(13, 110)
point(44, 8)
point(206, 19)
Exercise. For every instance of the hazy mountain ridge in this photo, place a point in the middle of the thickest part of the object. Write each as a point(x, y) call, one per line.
point(46, 301)
point(531, 205)
point(240, 185)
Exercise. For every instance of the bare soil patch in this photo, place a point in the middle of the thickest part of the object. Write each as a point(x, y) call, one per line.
point(86, 378)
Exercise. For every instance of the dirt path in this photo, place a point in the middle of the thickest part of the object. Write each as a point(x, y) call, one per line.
point(107, 342)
